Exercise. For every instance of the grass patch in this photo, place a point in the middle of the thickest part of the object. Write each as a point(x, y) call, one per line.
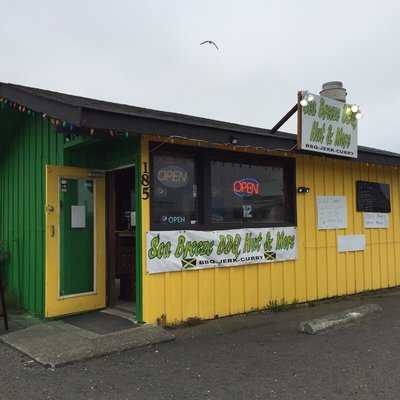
point(283, 305)
point(192, 321)
point(189, 322)
point(277, 306)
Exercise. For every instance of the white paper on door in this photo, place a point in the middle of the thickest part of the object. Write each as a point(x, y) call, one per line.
point(78, 217)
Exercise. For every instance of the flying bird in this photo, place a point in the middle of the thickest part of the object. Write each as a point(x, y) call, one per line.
point(210, 42)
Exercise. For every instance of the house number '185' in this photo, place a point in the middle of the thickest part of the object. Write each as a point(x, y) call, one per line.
point(145, 182)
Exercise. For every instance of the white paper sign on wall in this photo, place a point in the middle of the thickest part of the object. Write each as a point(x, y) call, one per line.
point(332, 212)
point(350, 243)
point(376, 220)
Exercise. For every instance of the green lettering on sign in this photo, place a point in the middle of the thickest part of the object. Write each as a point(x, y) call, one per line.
point(268, 242)
point(251, 243)
point(159, 249)
point(342, 139)
point(229, 244)
point(186, 248)
point(317, 133)
point(284, 242)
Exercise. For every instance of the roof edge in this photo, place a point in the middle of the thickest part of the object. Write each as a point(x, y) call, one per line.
point(86, 112)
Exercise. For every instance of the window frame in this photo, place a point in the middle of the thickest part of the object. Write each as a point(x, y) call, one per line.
point(202, 159)
point(186, 152)
point(361, 207)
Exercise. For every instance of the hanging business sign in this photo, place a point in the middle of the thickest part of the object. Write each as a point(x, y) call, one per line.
point(327, 126)
point(190, 250)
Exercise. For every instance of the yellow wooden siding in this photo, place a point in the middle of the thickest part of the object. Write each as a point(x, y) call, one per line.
point(319, 271)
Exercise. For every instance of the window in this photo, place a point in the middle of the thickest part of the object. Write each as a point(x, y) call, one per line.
point(243, 193)
point(209, 189)
point(174, 198)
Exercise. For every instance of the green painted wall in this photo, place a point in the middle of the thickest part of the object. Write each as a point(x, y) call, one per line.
point(107, 153)
point(27, 144)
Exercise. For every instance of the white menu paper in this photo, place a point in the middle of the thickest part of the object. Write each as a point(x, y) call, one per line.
point(376, 220)
point(332, 212)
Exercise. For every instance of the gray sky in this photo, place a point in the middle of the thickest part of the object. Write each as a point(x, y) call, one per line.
point(147, 53)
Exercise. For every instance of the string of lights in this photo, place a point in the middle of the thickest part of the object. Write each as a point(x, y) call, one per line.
point(170, 139)
point(56, 122)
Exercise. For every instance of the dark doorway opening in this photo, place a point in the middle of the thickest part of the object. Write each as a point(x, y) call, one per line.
point(121, 232)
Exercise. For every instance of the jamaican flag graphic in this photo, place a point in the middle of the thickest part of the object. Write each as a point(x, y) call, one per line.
point(270, 256)
point(188, 263)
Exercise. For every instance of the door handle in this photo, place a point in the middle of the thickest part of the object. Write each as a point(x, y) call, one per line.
point(52, 231)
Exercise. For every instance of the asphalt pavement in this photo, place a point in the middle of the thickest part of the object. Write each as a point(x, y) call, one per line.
point(262, 357)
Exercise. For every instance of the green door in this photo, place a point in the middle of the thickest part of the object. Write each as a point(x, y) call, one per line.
point(76, 236)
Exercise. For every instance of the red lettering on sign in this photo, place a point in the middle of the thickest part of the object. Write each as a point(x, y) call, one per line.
point(247, 187)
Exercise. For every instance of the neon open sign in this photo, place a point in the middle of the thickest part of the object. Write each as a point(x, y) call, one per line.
point(246, 187)
point(173, 176)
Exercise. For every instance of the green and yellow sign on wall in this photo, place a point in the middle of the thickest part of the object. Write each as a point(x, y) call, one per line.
point(169, 251)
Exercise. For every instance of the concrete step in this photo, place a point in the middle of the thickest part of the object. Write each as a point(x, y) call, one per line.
point(54, 344)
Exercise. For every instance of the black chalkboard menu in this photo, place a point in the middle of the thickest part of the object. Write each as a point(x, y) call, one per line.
point(373, 197)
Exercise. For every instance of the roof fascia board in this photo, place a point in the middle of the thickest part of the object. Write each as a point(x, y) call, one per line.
point(150, 126)
point(376, 158)
point(169, 124)
point(147, 126)
point(92, 116)
point(54, 109)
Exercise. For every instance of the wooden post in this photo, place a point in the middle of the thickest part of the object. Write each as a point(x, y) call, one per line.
point(299, 119)
point(112, 295)
point(285, 118)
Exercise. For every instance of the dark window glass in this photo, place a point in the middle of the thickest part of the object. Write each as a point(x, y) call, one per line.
point(204, 189)
point(244, 194)
point(373, 197)
point(174, 194)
